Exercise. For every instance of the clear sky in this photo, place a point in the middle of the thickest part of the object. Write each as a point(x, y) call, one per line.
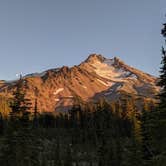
point(36, 35)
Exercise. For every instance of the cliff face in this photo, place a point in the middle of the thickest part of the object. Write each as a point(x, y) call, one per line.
point(96, 77)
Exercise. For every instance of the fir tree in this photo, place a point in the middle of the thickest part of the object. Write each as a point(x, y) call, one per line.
point(1, 124)
point(4, 105)
point(162, 81)
point(68, 157)
point(154, 122)
point(35, 118)
point(20, 104)
point(160, 135)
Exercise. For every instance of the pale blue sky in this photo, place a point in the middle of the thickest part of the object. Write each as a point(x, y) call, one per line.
point(36, 35)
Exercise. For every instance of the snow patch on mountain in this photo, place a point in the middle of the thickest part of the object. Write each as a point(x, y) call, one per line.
point(58, 91)
point(133, 76)
point(36, 74)
point(84, 86)
point(104, 70)
point(108, 93)
point(109, 62)
point(109, 71)
point(118, 87)
point(109, 84)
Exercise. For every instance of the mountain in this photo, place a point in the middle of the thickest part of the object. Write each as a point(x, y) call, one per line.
point(95, 78)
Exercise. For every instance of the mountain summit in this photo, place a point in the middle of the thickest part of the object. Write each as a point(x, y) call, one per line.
point(97, 77)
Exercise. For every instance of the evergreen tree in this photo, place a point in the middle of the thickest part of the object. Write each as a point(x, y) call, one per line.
point(148, 123)
point(160, 114)
point(1, 124)
point(136, 141)
point(162, 81)
point(35, 118)
point(4, 106)
point(20, 104)
point(68, 157)
point(160, 135)
point(102, 154)
point(56, 152)
point(154, 122)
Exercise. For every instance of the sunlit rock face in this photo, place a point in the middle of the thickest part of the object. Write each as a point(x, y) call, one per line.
point(97, 77)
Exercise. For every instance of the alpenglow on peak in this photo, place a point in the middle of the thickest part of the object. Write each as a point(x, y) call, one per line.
point(95, 78)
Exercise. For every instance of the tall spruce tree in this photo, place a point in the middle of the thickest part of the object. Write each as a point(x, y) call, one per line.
point(35, 115)
point(20, 104)
point(161, 115)
point(1, 124)
point(162, 81)
point(154, 122)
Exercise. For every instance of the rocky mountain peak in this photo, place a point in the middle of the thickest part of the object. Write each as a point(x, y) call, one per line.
point(94, 58)
point(94, 78)
point(117, 60)
point(98, 58)
point(65, 69)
